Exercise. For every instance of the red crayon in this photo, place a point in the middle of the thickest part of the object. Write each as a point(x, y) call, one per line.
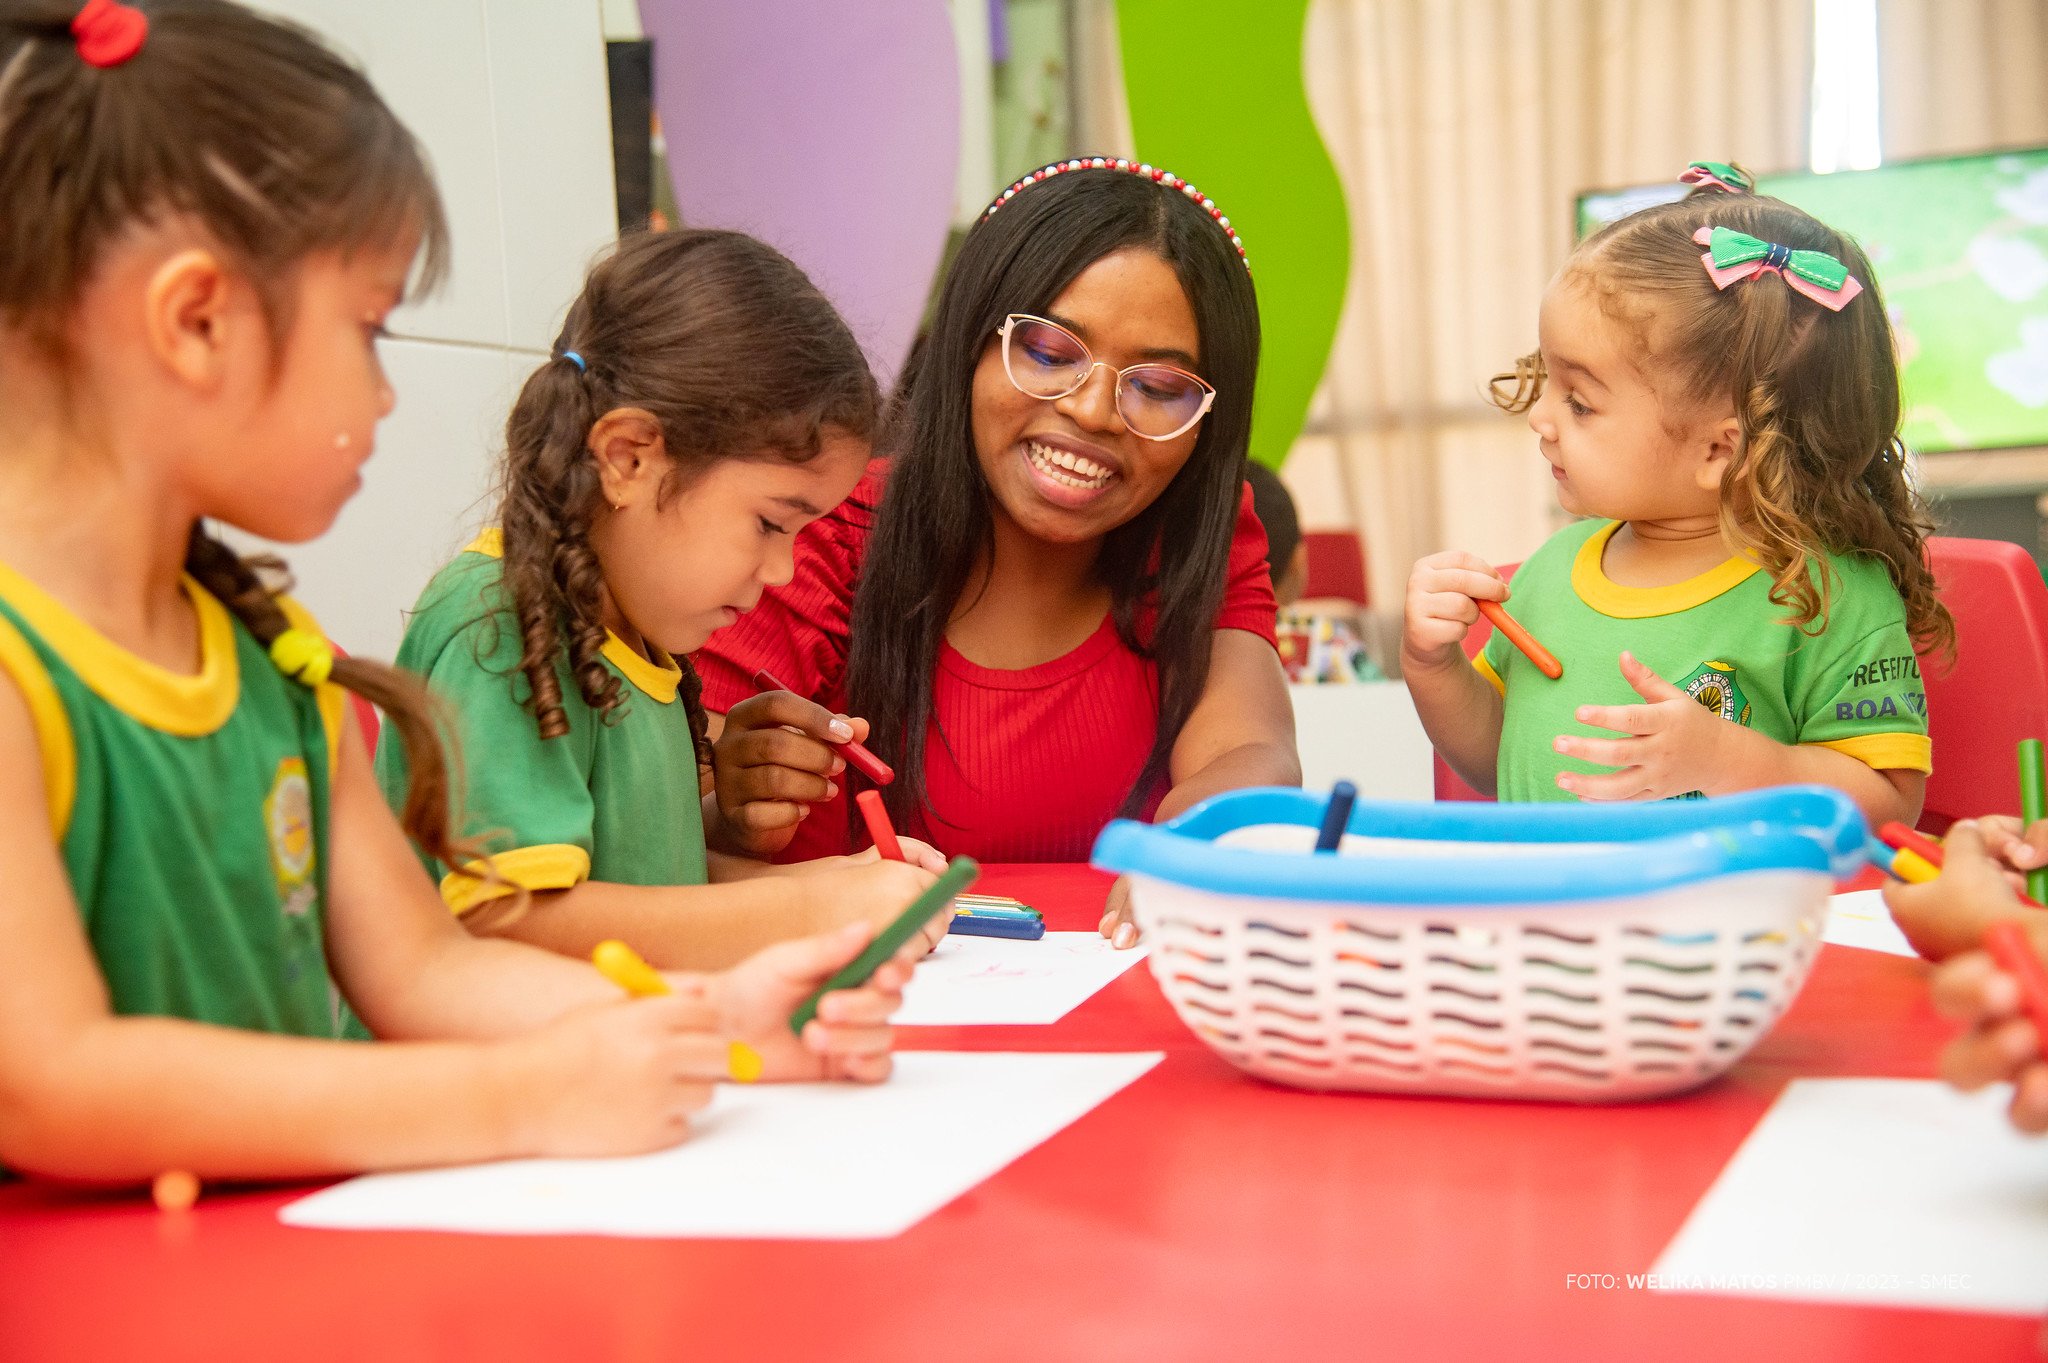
point(2007, 942)
point(1546, 661)
point(870, 802)
point(857, 757)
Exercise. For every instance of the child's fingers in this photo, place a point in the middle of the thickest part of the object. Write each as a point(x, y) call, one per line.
point(1468, 583)
point(1630, 783)
point(1990, 1055)
point(1969, 988)
point(864, 1006)
point(848, 1039)
point(862, 1069)
point(1640, 720)
point(1646, 682)
point(2029, 1108)
point(1605, 752)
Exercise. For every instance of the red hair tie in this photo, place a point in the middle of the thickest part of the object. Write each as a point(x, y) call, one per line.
point(109, 33)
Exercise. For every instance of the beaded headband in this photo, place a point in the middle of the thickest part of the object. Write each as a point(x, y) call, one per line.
point(1149, 172)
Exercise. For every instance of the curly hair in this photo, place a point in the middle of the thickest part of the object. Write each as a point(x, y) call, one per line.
point(734, 352)
point(1820, 467)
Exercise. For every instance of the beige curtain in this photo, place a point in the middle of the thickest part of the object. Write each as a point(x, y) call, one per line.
point(1462, 130)
point(1961, 75)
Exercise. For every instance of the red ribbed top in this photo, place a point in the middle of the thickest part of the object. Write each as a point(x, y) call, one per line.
point(1020, 765)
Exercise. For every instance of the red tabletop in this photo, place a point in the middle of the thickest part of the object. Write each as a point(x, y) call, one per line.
point(1198, 1214)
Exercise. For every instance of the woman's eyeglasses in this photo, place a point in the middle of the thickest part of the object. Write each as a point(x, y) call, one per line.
point(1045, 360)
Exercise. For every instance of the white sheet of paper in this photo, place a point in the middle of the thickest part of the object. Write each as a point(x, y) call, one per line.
point(975, 981)
point(776, 1161)
point(1860, 919)
point(1896, 1192)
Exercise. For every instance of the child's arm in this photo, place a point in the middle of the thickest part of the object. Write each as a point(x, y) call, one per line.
point(1673, 745)
point(85, 1094)
point(712, 927)
point(411, 970)
point(1460, 709)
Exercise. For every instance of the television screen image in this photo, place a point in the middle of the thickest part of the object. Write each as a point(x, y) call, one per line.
point(1960, 248)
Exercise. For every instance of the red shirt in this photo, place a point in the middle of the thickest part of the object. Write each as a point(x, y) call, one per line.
point(1020, 765)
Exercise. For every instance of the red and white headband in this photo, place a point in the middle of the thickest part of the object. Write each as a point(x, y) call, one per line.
point(1149, 172)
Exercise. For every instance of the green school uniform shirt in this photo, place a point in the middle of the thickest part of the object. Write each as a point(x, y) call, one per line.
point(614, 799)
point(1855, 687)
point(191, 812)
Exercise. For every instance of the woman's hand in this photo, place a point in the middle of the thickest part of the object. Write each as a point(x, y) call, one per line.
point(771, 763)
point(1118, 924)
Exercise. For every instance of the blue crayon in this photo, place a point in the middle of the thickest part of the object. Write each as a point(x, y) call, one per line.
point(1342, 796)
point(974, 925)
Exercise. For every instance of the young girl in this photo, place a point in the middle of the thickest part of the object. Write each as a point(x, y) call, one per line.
point(705, 403)
point(1716, 390)
point(1052, 602)
point(208, 218)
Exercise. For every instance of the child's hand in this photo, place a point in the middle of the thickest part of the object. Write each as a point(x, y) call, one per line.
point(610, 1079)
point(874, 892)
point(2001, 1045)
point(1439, 610)
point(1118, 924)
point(849, 1039)
point(915, 853)
point(771, 764)
point(1949, 914)
point(2020, 847)
point(1676, 744)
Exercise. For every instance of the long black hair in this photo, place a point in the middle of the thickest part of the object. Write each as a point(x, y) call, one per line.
point(934, 519)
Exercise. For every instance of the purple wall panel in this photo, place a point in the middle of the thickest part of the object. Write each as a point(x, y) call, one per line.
point(829, 129)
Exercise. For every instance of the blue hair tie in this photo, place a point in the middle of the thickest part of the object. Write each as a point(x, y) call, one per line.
point(577, 360)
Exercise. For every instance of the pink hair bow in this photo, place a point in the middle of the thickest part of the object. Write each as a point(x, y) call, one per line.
point(1732, 257)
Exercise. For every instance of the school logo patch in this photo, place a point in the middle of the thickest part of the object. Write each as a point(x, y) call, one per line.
point(288, 817)
point(1713, 685)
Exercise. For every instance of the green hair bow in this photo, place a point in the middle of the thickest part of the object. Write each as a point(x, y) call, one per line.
point(1733, 256)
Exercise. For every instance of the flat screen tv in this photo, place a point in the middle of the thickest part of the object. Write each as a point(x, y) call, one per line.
point(1960, 248)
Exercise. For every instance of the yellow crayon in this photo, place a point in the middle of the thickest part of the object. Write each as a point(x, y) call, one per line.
point(1913, 868)
point(622, 965)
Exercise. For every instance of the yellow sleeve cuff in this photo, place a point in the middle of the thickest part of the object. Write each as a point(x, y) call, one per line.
point(551, 866)
point(1886, 752)
point(52, 725)
point(1485, 669)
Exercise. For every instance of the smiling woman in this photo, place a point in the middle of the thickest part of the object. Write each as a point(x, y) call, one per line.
point(1051, 601)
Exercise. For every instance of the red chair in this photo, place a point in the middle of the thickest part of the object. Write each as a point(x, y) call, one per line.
point(1997, 691)
point(1994, 695)
point(1336, 566)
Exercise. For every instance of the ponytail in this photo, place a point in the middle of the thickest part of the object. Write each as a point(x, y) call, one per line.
point(239, 585)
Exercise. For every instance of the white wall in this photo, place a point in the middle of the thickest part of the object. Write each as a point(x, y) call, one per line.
point(509, 98)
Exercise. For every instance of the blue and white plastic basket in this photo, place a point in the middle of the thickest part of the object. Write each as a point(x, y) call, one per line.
point(1566, 951)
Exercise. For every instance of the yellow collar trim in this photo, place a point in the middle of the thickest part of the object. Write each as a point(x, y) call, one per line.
point(1610, 598)
point(188, 706)
point(658, 680)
